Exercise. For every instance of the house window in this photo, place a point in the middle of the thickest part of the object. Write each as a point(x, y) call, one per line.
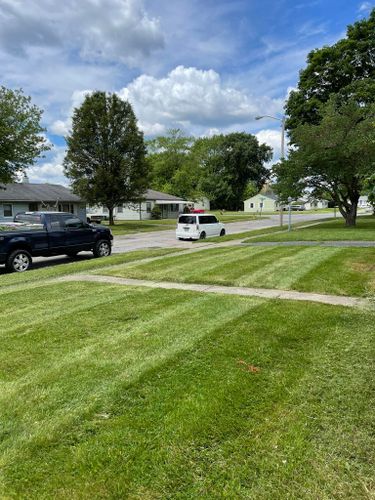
point(8, 210)
point(148, 207)
point(33, 207)
point(251, 205)
point(261, 204)
point(120, 209)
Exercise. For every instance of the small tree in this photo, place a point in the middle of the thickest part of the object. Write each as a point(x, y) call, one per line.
point(332, 159)
point(21, 139)
point(105, 159)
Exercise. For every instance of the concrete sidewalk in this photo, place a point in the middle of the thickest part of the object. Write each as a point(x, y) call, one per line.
point(266, 293)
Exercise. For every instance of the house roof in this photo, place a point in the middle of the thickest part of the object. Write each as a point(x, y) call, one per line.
point(271, 196)
point(151, 194)
point(37, 192)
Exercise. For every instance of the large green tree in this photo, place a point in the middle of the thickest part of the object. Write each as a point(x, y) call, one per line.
point(171, 165)
point(228, 163)
point(21, 135)
point(346, 68)
point(333, 158)
point(105, 158)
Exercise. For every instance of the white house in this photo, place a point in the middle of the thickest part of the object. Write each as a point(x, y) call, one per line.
point(314, 204)
point(170, 207)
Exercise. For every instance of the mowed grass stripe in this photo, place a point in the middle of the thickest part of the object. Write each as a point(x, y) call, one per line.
point(197, 423)
point(62, 386)
point(329, 270)
point(286, 269)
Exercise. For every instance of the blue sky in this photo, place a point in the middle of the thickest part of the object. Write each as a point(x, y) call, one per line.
point(206, 67)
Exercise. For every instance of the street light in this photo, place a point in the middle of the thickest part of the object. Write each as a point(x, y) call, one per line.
point(282, 120)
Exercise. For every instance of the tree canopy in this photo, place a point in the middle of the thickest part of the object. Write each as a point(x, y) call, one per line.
point(172, 169)
point(333, 158)
point(21, 139)
point(105, 158)
point(346, 68)
point(229, 162)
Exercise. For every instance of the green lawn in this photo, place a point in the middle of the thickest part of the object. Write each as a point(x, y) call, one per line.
point(117, 392)
point(141, 226)
point(334, 230)
point(80, 264)
point(341, 271)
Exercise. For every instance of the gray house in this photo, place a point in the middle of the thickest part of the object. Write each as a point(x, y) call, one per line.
point(23, 197)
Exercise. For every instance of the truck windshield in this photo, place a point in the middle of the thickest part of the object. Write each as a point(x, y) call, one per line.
point(28, 218)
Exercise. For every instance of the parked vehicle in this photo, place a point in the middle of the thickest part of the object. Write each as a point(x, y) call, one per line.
point(36, 234)
point(198, 226)
point(297, 208)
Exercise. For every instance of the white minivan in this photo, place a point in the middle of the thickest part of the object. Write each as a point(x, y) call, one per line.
point(198, 226)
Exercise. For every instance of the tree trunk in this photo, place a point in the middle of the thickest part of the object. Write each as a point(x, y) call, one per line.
point(111, 219)
point(351, 216)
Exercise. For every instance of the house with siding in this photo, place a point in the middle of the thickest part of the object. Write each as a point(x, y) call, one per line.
point(24, 197)
point(170, 206)
point(261, 202)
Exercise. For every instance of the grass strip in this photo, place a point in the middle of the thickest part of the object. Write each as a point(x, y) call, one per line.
point(80, 264)
point(333, 230)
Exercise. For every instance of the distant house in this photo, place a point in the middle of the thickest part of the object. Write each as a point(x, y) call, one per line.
point(363, 202)
point(23, 197)
point(170, 206)
point(261, 202)
point(314, 204)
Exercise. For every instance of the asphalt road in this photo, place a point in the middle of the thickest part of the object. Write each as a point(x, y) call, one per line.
point(167, 239)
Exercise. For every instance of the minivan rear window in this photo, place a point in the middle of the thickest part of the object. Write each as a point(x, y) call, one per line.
point(187, 219)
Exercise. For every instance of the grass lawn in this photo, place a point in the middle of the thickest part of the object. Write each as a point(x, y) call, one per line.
point(333, 230)
point(338, 271)
point(117, 392)
point(141, 226)
point(80, 264)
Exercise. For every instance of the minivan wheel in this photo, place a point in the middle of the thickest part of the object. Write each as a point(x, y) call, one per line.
point(222, 232)
point(18, 261)
point(102, 248)
point(202, 236)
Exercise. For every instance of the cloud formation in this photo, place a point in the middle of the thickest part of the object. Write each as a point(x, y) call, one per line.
point(193, 97)
point(98, 30)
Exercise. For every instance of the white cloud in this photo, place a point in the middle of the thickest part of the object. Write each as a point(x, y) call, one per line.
point(99, 30)
point(51, 171)
point(63, 127)
point(272, 137)
point(193, 97)
point(365, 7)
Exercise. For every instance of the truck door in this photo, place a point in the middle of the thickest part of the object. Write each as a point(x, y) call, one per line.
point(79, 235)
point(56, 233)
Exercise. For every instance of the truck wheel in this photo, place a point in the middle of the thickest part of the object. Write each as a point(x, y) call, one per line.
point(222, 232)
point(102, 248)
point(18, 261)
point(202, 236)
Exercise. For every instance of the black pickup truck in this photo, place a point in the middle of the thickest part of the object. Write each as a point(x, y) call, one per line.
point(35, 234)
